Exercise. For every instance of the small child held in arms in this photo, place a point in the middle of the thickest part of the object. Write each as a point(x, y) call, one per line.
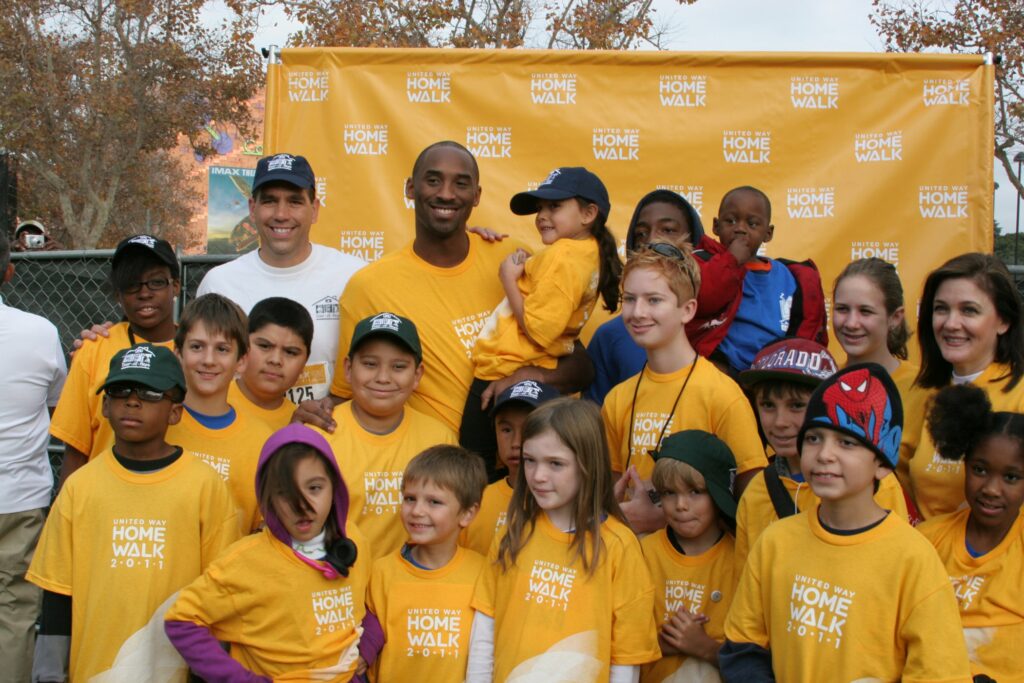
point(128, 530)
point(566, 588)
point(290, 600)
point(548, 297)
point(280, 336)
point(510, 411)
point(420, 594)
point(691, 560)
point(982, 546)
point(845, 590)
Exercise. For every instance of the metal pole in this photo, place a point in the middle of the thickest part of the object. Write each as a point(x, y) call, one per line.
point(1019, 158)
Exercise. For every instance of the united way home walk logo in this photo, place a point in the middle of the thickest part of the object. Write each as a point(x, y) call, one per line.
point(694, 194)
point(432, 87)
point(308, 86)
point(365, 139)
point(872, 147)
point(814, 92)
point(942, 201)
point(677, 90)
point(747, 146)
point(887, 251)
point(945, 91)
point(365, 244)
point(489, 142)
point(553, 88)
point(616, 144)
point(811, 202)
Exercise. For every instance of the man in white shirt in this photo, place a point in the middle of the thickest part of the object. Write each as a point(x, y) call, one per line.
point(33, 367)
point(284, 207)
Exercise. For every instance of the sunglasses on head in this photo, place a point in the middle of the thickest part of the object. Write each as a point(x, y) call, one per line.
point(666, 250)
point(143, 393)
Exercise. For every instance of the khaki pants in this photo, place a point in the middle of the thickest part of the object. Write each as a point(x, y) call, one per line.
point(19, 599)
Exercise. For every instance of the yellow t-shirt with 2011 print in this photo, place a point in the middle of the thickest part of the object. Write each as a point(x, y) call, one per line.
point(425, 615)
point(988, 592)
point(711, 402)
point(122, 544)
point(559, 288)
point(447, 305)
point(937, 484)
point(703, 584)
point(553, 620)
point(876, 605)
point(232, 452)
point(78, 418)
point(372, 466)
point(283, 618)
point(490, 520)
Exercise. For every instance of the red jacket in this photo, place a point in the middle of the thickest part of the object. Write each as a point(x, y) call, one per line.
point(721, 291)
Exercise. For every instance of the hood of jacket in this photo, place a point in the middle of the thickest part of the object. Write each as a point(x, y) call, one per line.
point(696, 227)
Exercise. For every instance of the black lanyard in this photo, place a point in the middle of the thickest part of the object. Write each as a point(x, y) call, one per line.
point(668, 421)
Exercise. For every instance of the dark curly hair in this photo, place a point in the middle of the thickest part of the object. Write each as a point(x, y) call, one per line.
point(961, 418)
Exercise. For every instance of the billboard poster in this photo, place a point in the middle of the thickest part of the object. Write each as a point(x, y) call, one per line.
point(228, 227)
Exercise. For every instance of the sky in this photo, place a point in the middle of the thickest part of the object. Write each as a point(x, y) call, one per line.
point(766, 25)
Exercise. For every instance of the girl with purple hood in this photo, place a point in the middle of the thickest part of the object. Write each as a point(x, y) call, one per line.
point(289, 600)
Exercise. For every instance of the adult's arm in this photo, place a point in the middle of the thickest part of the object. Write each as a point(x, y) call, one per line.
point(574, 373)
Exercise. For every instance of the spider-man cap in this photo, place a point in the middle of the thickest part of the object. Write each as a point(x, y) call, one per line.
point(863, 402)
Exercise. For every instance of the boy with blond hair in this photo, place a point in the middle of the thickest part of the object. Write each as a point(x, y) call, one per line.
point(676, 390)
point(421, 592)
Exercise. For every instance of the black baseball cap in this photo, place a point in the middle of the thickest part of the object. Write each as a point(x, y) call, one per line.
point(161, 249)
point(564, 183)
point(151, 366)
point(390, 325)
point(285, 168)
point(527, 392)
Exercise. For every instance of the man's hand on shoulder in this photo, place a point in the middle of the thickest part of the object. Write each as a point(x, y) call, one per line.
point(91, 334)
point(487, 234)
point(318, 413)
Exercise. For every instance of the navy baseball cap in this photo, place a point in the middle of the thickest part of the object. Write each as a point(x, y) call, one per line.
point(284, 168)
point(527, 392)
point(161, 249)
point(564, 183)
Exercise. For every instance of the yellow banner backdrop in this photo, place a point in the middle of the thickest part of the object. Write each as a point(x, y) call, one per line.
point(861, 154)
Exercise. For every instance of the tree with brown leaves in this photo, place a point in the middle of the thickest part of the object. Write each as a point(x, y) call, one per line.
point(972, 27)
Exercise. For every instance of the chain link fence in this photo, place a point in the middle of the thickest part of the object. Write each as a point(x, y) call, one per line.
point(72, 290)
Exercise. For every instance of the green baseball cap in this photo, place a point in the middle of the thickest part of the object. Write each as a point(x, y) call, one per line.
point(390, 325)
point(151, 366)
point(710, 456)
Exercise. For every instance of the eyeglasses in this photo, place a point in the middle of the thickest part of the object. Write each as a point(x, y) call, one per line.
point(154, 285)
point(144, 393)
point(673, 252)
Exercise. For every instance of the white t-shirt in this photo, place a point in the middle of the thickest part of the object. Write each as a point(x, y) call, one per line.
point(316, 283)
point(33, 369)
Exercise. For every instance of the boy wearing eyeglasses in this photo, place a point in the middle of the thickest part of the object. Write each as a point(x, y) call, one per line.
point(212, 344)
point(141, 520)
point(676, 390)
point(144, 276)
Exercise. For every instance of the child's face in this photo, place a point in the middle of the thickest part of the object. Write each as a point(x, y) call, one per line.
point(552, 474)
point(210, 361)
point(559, 219)
point(383, 376)
point(275, 360)
point(431, 514)
point(966, 325)
point(508, 429)
point(314, 483)
point(859, 317)
point(134, 420)
point(651, 310)
point(744, 216)
point(691, 513)
point(838, 467)
point(994, 482)
point(781, 414)
point(147, 309)
point(661, 222)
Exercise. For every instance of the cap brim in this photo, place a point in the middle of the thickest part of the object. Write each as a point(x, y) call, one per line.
point(129, 379)
point(748, 378)
point(525, 203)
point(723, 500)
point(384, 334)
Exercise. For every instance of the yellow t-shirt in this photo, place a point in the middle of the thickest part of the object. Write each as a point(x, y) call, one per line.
point(988, 591)
point(559, 288)
point(874, 606)
point(915, 401)
point(373, 464)
point(755, 510)
point(425, 615)
point(283, 618)
point(449, 307)
point(122, 544)
point(936, 484)
point(78, 418)
point(711, 402)
point(703, 584)
point(274, 419)
point(232, 452)
point(490, 520)
point(557, 622)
